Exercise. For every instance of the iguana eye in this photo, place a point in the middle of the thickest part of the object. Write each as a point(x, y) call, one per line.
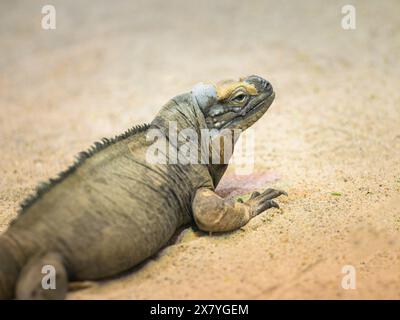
point(241, 97)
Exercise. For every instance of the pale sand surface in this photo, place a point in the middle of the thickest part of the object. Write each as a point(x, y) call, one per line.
point(334, 128)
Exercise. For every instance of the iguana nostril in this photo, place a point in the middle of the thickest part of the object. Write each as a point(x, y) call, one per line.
point(268, 87)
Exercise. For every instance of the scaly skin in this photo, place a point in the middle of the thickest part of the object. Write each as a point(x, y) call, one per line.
point(114, 209)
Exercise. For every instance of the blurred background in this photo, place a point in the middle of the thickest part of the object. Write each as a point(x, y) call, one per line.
point(331, 138)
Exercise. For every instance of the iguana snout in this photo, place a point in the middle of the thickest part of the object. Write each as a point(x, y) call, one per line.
point(234, 104)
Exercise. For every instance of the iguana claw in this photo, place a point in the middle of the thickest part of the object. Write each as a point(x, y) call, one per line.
point(260, 202)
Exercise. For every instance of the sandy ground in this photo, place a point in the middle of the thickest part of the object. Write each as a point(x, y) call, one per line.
point(331, 139)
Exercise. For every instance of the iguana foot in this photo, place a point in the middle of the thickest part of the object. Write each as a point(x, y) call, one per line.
point(260, 202)
point(215, 214)
point(44, 277)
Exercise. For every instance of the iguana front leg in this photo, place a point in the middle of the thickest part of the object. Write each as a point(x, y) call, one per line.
point(215, 214)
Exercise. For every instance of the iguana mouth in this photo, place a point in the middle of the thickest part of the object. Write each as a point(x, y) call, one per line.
point(259, 104)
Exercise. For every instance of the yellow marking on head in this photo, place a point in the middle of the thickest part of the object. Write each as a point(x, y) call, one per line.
point(225, 88)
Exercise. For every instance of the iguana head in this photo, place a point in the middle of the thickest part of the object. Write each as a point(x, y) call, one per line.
point(234, 104)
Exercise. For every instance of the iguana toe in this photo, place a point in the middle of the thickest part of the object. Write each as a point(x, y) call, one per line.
point(260, 202)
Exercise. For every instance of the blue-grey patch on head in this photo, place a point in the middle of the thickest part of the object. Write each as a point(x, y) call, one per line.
point(205, 95)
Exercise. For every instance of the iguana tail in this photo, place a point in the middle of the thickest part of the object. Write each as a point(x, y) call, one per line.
point(42, 276)
point(9, 269)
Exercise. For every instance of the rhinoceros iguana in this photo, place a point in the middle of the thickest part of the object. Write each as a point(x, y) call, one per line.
point(113, 208)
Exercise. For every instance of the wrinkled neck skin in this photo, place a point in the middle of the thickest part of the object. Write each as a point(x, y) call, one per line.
point(186, 113)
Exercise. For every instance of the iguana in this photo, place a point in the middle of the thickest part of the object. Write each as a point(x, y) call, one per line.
point(112, 209)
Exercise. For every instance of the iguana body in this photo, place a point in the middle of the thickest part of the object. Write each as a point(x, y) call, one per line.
point(114, 209)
